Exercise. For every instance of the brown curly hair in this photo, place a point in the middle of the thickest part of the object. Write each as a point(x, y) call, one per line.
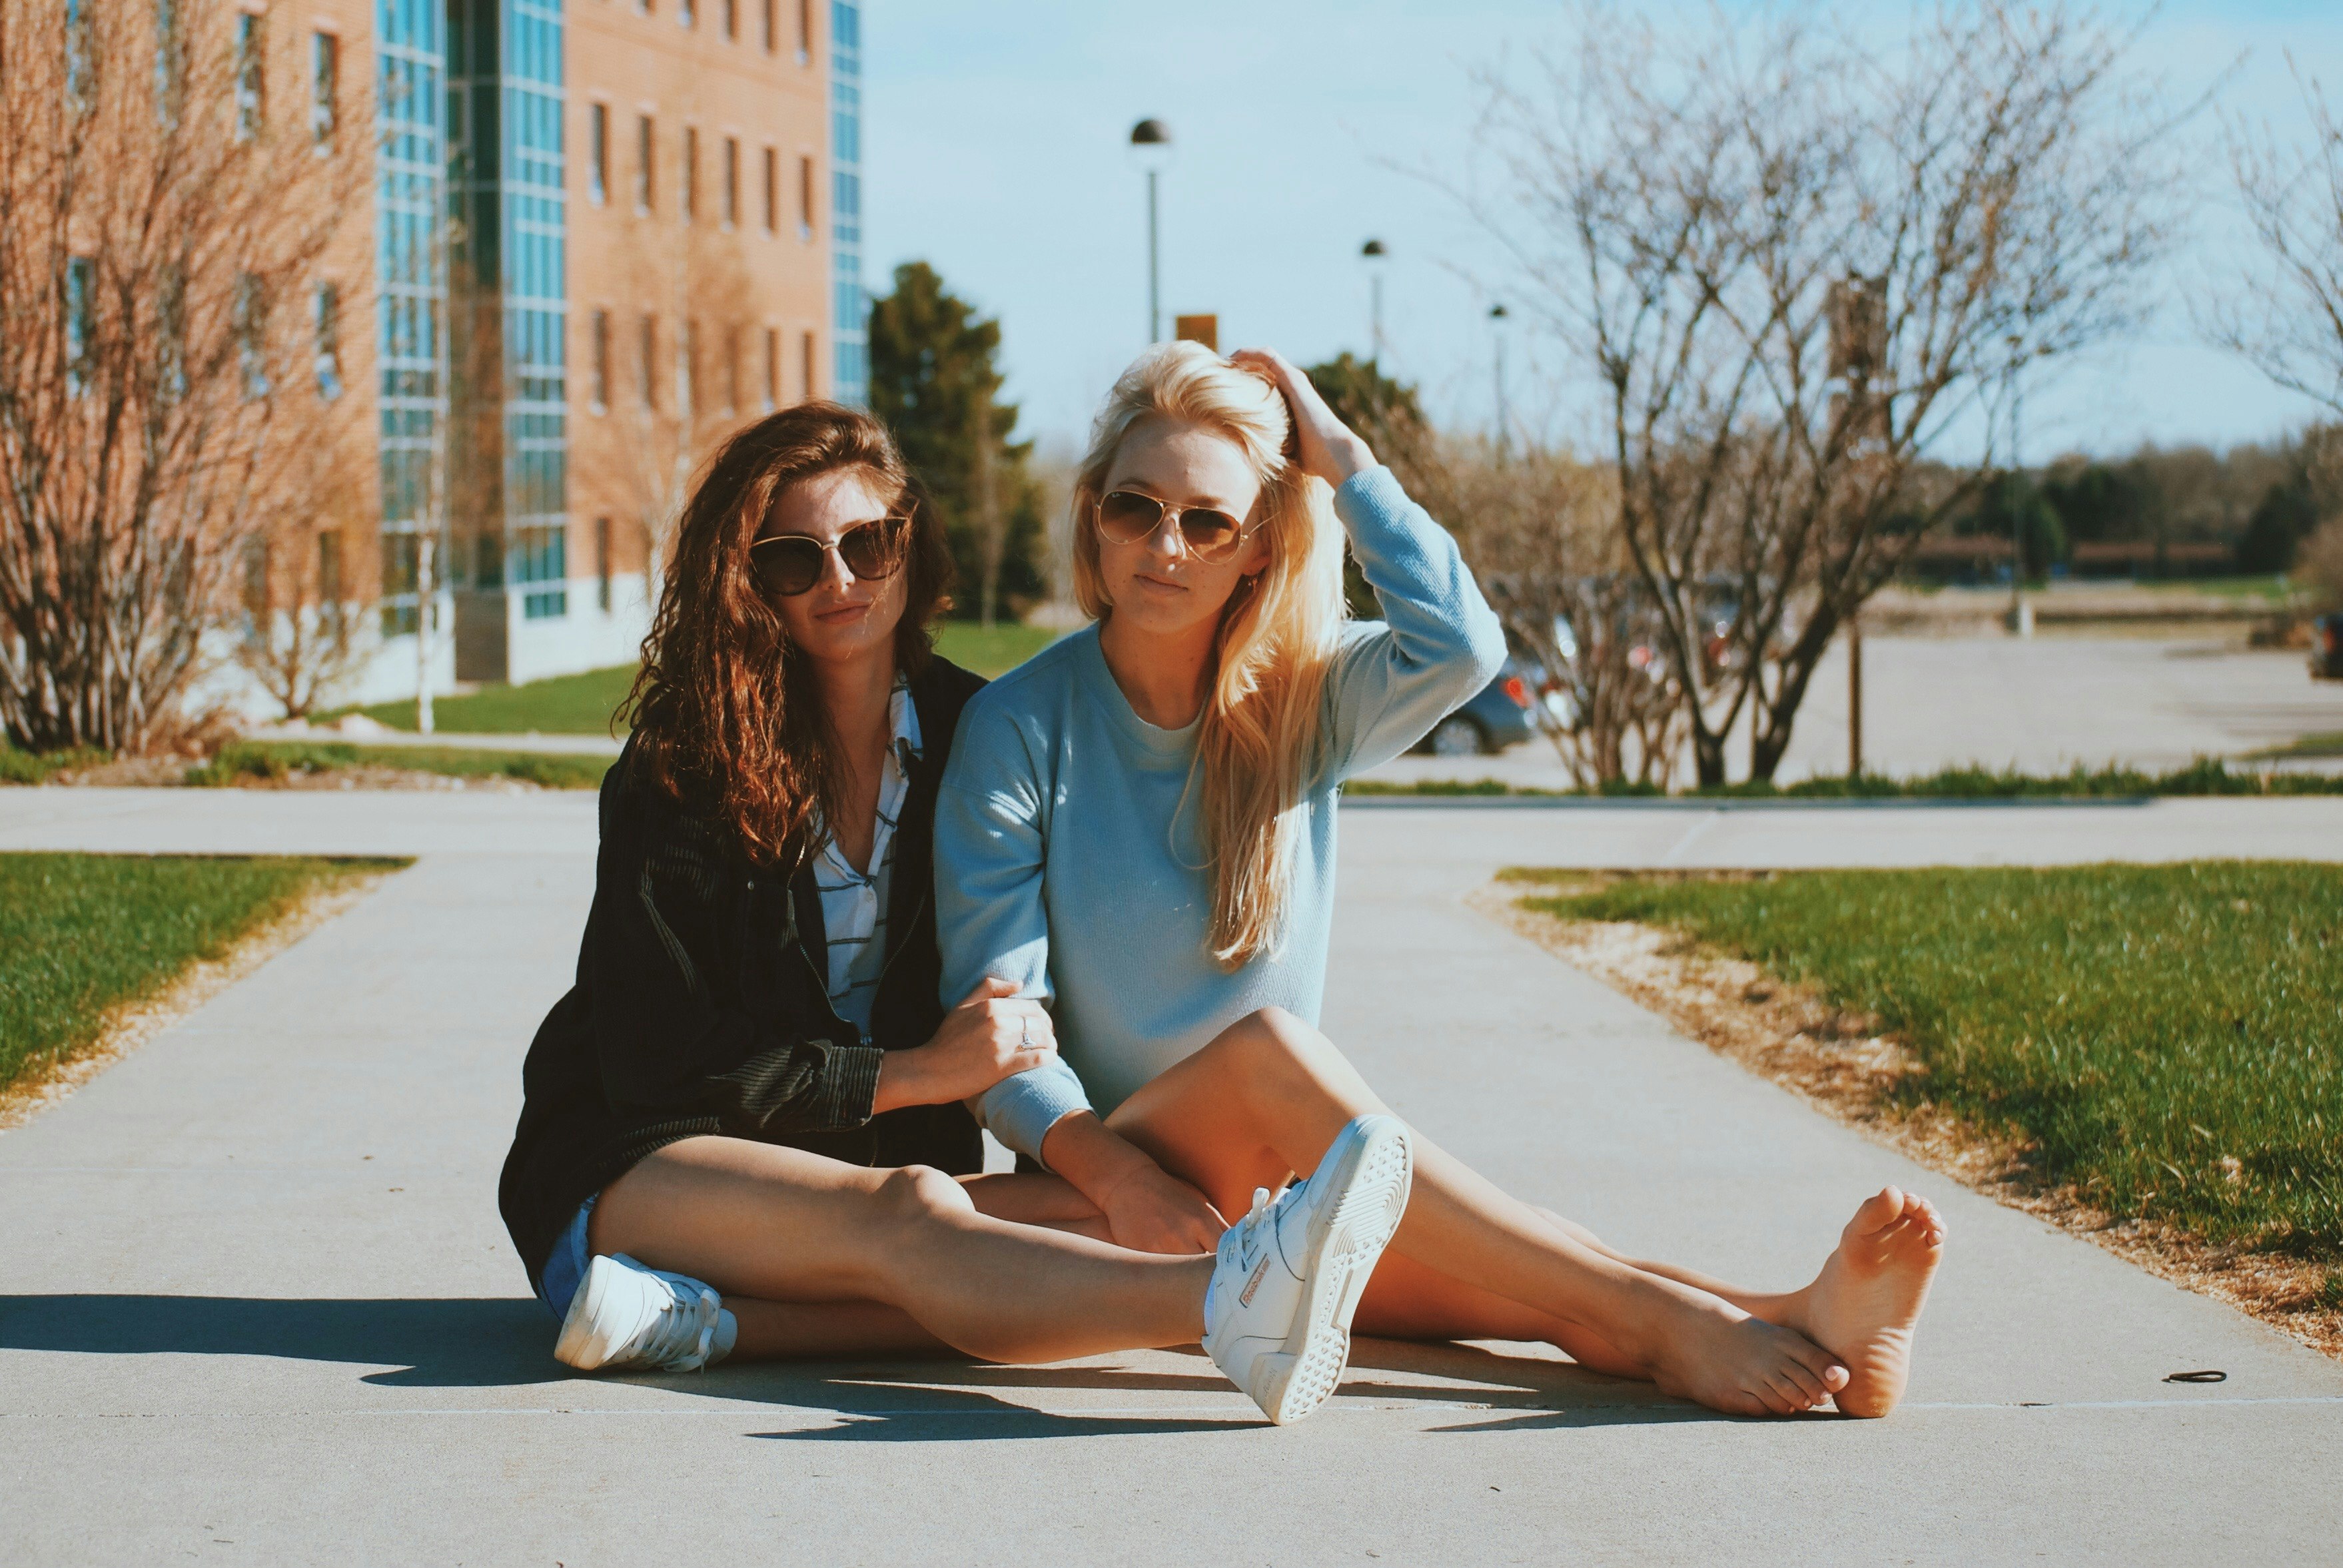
point(725, 712)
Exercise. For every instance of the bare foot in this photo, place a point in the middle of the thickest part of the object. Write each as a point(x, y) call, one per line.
point(1718, 1355)
point(1862, 1307)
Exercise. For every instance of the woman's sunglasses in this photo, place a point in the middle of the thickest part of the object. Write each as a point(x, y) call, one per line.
point(790, 564)
point(1126, 516)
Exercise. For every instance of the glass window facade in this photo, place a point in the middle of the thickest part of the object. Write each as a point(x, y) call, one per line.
point(508, 70)
point(851, 370)
point(411, 270)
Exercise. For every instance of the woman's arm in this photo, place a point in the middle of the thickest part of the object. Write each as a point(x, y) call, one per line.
point(990, 924)
point(1438, 643)
point(992, 841)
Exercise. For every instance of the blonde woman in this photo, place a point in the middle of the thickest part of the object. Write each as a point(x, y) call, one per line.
point(1137, 828)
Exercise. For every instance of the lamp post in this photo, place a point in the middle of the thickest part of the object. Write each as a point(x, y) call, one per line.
point(1497, 314)
point(1152, 143)
point(1372, 253)
point(2020, 622)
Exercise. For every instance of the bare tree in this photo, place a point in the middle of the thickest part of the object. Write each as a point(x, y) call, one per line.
point(679, 380)
point(1695, 212)
point(304, 623)
point(2285, 316)
point(164, 228)
point(1541, 529)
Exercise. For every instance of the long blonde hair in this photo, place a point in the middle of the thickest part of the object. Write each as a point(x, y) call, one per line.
point(1261, 741)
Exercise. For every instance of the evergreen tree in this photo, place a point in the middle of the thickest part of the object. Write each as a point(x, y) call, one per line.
point(936, 382)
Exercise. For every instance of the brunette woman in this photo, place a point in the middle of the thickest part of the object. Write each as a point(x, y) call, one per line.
point(743, 1124)
point(1138, 826)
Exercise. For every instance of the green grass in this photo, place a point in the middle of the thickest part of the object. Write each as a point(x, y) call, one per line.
point(35, 767)
point(82, 934)
point(2327, 745)
point(2136, 1025)
point(582, 704)
point(2206, 776)
point(270, 761)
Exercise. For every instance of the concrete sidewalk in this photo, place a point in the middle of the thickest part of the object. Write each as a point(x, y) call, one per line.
point(258, 1306)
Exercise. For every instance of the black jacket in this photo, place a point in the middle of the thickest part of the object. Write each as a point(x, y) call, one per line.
point(701, 1005)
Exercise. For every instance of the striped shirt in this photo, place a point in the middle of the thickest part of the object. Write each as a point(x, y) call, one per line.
point(854, 902)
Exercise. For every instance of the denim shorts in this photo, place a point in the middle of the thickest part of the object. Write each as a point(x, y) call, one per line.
point(565, 1269)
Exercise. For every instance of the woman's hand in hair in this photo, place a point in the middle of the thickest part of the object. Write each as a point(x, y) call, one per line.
point(992, 1034)
point(1323, 445)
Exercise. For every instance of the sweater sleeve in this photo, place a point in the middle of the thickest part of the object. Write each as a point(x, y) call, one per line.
point(1439, 641)
point(671, 1036)
point(990, 829)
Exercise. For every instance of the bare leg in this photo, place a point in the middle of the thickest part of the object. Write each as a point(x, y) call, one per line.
point(1269, 1094)
point(900, 1260)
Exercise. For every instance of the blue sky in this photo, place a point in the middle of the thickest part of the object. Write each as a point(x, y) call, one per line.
point(995, 148)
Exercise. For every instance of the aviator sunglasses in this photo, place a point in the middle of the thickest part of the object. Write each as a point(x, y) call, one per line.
point(1126, 516)
point(790, 564)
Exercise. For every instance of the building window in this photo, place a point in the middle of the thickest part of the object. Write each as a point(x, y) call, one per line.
point(805, 31)
point(601, 355)
point(772, 182)
point(251, 80)
point(77, 51)
point(330, 569)
point(598, 153)
point(325, 87)
point(171, 330)
point(539, 555)
point(732, 181)
point(170, 62)
point(805, 199)
point(686, 13)
point(644, 190)
point(772, 369)
point(768, 8)
point(248, 319)
point(648, 365)
point(690, 190)
point(804, 376)
point(327, 309)
point(731, 20)
point(81, 321)
point(686, 369)
point(602, 564)
point(731, 369)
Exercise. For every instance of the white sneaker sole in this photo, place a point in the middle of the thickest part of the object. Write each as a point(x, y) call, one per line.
point(1374, 1161)
point(578, 1345)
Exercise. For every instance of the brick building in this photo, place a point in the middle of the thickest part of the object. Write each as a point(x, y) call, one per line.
point(605, 232)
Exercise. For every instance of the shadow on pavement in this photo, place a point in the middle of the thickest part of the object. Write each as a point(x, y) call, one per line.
point(456, 1342)
point(489, 1342)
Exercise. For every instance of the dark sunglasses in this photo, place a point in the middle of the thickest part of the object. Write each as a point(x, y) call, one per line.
point(790, 564)
point(1126, 516)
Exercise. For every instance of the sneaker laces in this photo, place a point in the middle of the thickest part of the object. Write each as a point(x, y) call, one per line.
point(684, 1331)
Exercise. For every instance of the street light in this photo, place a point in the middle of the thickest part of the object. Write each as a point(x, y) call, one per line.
point(1151, 142)
point(1372, 252)
point(2020, 620)
point(1497, 315)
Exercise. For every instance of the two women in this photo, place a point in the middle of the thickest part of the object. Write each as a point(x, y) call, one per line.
point(753, 1088)
point(1135, 830)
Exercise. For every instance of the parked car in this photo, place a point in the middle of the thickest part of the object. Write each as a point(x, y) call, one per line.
point(1498, 716)
point(2327, 648)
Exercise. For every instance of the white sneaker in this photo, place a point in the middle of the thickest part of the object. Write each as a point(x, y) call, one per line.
point(627, 1316)
point(1277, 1315)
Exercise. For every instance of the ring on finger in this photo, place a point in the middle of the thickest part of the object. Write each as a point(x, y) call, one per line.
point(1025, 1032)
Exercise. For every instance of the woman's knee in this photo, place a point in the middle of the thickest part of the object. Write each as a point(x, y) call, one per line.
point(918, 1195)
point(1272, 1040)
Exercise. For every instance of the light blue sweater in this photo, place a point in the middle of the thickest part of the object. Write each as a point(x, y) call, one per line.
point(1058, 864)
